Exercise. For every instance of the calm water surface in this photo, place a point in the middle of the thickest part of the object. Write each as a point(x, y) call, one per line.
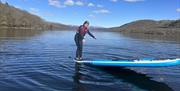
point(43, 61)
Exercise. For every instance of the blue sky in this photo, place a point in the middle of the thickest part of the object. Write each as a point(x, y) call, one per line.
point(105, 13)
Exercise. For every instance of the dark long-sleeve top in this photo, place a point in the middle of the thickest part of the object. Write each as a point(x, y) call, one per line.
point(82, 30)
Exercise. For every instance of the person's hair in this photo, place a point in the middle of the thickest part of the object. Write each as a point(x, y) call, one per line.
point(86, 22)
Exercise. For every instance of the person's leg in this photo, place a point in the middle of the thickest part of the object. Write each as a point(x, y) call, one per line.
point(80, 48)
point(78, 52)
point(77, 41)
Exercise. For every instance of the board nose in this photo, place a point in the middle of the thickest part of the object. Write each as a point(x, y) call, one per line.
point(178, 60)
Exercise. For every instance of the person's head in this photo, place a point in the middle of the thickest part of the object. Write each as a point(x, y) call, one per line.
point(86, 24)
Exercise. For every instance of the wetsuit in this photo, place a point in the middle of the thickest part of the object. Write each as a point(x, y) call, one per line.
point(79, 36)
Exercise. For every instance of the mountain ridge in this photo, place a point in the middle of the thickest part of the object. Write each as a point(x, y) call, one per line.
point(12, 17)
point(162, 27)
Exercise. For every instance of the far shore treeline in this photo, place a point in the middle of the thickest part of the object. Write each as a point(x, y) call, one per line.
point(14, 18)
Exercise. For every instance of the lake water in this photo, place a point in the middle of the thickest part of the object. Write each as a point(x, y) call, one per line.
point(43, 61)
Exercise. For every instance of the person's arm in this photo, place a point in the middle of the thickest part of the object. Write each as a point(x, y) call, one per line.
point(90, 34)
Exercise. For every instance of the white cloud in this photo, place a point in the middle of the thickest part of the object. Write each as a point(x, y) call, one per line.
point(55, 3)
point(92, 16)
point(79, 3)
point(91, 5)
point(101, 11)
point(69, 2)
point(16, 6)
point(34, 11)
point(99, 6)
point(3, 1)
point(48, 14)
point(114, 0)
point(23, 0)
point(178, 10)
point(132, 1)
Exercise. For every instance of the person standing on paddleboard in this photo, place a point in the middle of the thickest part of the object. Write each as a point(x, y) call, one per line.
point(79, 37)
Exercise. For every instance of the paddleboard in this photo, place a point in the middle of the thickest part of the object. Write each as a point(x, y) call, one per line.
point(133, 63)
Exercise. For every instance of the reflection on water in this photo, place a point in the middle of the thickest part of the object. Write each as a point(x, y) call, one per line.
point(140, 80)
point(171, 38)
point(77, 76)
point(43, 61)
point(7, 33)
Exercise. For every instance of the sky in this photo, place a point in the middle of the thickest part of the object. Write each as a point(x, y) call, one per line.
point(102, 13)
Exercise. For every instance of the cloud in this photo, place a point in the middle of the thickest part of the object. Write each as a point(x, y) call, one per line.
point(55, 3)
point(113, 0)
point(133, 1)
point(58, 4)
point(91, 16)
point(20, 0)
point(34, 11)
point(69, 2)
point(79, 3)
point(91, 5)
point(104, 11)
point(3, 1)
point(178, 10)
point(16, 6)
point(66, 3)
point(48, 14)
point(99, 6)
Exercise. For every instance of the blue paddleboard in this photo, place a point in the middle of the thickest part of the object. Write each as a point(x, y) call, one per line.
point(133, 63)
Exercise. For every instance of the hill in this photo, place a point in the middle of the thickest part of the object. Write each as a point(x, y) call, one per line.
point(12, 17)
point(163, 27)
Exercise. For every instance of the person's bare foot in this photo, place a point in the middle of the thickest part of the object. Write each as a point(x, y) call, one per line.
point(78, 59)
